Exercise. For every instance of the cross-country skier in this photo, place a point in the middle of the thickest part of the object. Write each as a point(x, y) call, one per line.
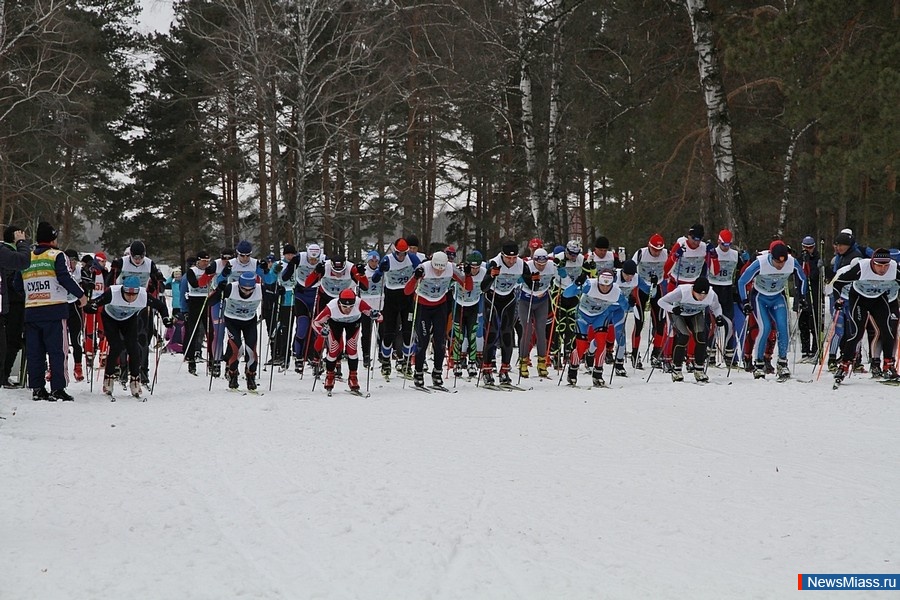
point(429, 286)
point(601, 307)
point(123, 321)
point(396, 267)
point(686, 306)
point(505, 272)
point(770, 274)
point(534, 306)
point(872, 284)
point(241, 303)
point(651, 263)
point(338, 328)
point(465, 328)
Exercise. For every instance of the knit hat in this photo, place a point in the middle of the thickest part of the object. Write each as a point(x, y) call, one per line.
point(202, 254)
point(559, 249)
point(696, 231)
point(313, 250)
point(347, 297)
point(131, 284)
point(439, 260)
point(573, 247)
point(539, 254)
point(881, 257)
point(629, 267)
point(71, 253)
point(247, 280)
point(373, 254)
point(535, 243)
point(701, 285)
point(412, 240)
point(102, 255)
point(843, 239)
point(9, 234)
point(475, 257)
point(400, 245)
point(509, 248)
point(779, 251)
point(45, 233)
point(657, 242)
point(602, 242)
point(808, 241)
point(288, 249)
point(725, 237)
point(244, 247)
point(138, 248)
point(606, 277)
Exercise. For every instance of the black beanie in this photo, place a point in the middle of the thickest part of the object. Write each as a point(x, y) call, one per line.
point(697, 231)
point(509, 248)
point(138, 248)
point(412, 240)
point(9, 234)
point(629, 267)
point(288, 249)
point(701, 285)
point(71, 253)
point(602, 242)
point(45, 233)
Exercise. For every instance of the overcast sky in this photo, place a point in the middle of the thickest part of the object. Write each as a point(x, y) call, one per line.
point(156, 15)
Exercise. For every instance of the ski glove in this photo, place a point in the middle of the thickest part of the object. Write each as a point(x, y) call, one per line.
point(361, 268)
point(90, 308)
point(680, 252)
point(295, 260)
point(802, 304)
point(325, 330)
point(535, 281)
point(374, 314)
point(495, 270)
point(710, 247)
point(384, 267)
point(654, 279)
point(468, 268)
point(277, 267)
point(839, 304)
point(226, 271)
point(168, 322)
point(588, 265)
point(720, 321)
point(631, 301)
point(579, 281)
point(419, 273)
point(747, 308)
point(320, 269)
point(676, 310)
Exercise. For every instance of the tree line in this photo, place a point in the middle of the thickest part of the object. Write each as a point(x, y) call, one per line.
point(352, 121)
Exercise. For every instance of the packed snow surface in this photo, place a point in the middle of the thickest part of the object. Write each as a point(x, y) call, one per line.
point(644, 490)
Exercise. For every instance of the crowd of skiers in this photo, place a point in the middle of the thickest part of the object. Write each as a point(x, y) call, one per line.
point(703, 302)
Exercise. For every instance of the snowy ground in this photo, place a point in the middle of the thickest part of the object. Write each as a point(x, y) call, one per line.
point(645, 490)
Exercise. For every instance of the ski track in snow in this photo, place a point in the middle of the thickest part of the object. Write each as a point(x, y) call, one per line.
point(655, 490)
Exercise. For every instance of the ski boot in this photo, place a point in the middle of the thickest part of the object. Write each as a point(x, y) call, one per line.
point(457, 370)
point(41, 394)
point(329, 380)
point(700, 376)
point(875, 370)
point(504, 378)
point(782, 370)
point(472, 370)
point(109, 384)
point(655, 362)
point(61, 395)
point(597, 377)
point(436, 379)
point(677, 374)
point(215, 369)
point(419, 379)
point(610, 355)
point(487, 374)
point(385, 368)
point(572, 375)
point(298, 365)
point(79, 374)
point(145, 378)
point(833, 365)
point(523, 368)
point(636, 360)
point(588, 361)
point(134, 386)
point(353, 381)
point(889, 375)
point(366, 362)
point(192, 367)
point(232, 379)
point(251, 380)
point(542, 367)
point(619, 369)
point(759, 370)
point(748, 363)
point(689, 366)
point(841, 373)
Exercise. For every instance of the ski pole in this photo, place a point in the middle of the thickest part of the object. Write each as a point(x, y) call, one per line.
point(189, 348)
point(273, 335)
point(309, 334)
point(412, 338)
point(526, 339)
point(156, 366)
point(487, 330)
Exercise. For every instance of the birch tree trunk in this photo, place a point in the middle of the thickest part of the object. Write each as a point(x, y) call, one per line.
point(786, 177)
point(534, 199)
point(553, 198)
point(718, 122)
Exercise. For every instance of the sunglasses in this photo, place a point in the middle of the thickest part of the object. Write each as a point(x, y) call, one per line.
point(130, 293)
point(247, 289)
point(726, 244)
point(240, 254)
point(227, 257)
point(347, 303)
point(541, 259)
point(696, 239)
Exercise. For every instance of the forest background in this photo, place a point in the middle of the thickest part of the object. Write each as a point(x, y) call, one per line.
point(350, 122)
